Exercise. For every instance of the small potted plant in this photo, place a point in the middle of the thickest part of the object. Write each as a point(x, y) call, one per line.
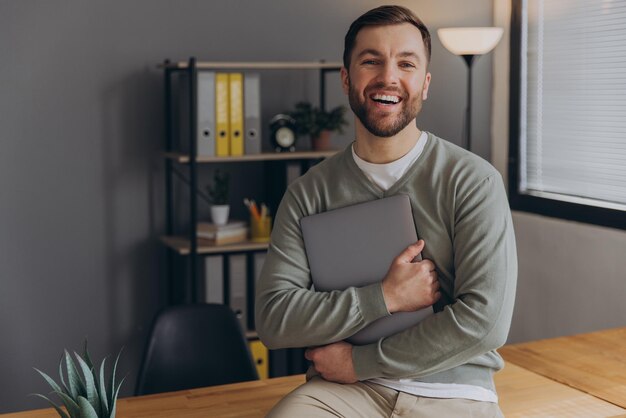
point(87, 395)
point(218, 196)
point(318, 123)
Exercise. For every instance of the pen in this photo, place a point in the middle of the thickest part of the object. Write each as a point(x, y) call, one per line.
point(251, 205)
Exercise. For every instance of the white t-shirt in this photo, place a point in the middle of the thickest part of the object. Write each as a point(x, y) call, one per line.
point(384, 176)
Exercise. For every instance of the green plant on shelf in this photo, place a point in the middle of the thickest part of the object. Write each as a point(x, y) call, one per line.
point(312, 121)
point(218, 192)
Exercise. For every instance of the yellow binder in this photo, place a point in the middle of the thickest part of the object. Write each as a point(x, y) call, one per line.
point(260, 354)
point(222, 141)
point(236, 113)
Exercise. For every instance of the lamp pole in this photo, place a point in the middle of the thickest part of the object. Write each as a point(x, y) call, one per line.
point(469, 43)
point(469, 60)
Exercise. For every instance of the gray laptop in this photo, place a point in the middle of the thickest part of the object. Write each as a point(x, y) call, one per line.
point(354, 246)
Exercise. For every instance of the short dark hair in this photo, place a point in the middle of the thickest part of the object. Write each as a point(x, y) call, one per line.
point(381, 16)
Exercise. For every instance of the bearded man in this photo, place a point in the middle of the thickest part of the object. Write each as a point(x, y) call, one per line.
point(444, 365)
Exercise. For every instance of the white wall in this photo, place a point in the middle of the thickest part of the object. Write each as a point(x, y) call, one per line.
point(572, 276)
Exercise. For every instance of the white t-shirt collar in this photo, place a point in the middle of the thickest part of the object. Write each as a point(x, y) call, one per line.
point(385, 175)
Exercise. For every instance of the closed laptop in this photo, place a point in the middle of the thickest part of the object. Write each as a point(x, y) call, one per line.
point(354, 246)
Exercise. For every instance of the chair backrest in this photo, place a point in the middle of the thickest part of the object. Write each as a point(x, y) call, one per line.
point(193, 346)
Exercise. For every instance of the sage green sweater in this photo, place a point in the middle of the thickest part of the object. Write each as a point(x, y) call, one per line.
point(461, 211)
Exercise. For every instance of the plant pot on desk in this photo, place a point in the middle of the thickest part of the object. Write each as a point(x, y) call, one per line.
point(321, 142)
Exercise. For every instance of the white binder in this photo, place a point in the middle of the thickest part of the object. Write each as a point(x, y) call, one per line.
point(294, 170)
point(214, 279)
point(238, 289)
point(252, 113)
point(259, 260)
point(206, 114)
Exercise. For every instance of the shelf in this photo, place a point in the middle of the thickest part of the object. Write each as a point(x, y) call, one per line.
point(285, 65)
point(268, 156)
point(182, 247)
point(252, 335)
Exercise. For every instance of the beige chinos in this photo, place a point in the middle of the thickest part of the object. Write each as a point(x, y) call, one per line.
point(321, 398)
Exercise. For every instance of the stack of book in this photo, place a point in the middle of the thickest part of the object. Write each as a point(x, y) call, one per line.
point(230, 233)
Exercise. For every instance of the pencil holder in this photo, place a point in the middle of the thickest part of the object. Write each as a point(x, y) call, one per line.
point(260, 228)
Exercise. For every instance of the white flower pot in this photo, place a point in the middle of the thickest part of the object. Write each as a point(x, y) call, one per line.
point(219, 214)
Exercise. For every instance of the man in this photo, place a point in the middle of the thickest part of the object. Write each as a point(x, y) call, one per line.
point(444, 365)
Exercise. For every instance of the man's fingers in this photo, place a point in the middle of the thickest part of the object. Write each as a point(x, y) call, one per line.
point(426, 267)
point(411, 252)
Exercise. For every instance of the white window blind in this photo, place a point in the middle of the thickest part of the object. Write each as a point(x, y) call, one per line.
point(573, 101)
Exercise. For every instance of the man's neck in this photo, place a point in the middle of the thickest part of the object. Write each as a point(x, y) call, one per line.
point(378, 150)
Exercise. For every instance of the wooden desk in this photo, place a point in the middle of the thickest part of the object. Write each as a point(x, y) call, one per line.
point(238, 400)
point(522, 394)
point(594, 363)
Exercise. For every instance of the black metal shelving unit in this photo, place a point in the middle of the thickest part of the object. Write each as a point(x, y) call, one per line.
point(188, 246)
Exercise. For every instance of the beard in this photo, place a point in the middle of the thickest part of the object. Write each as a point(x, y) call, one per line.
point(384, 126)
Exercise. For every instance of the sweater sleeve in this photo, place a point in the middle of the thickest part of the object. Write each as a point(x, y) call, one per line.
point(288, 313)
point(478, 320)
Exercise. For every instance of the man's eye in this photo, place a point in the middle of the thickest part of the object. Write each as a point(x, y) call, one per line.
point(370, 62)
point(407, 65)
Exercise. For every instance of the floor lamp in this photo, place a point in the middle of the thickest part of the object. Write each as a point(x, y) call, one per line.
point(469, 43)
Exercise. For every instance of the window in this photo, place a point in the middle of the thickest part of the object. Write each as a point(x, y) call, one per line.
point(568, 109)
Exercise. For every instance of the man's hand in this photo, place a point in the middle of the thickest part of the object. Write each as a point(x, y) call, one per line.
point(333, 362)
point(410, 286)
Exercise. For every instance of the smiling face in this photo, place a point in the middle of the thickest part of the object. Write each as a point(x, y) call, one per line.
point(387, 80)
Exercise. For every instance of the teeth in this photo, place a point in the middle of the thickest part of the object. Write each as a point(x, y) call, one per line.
point(387, 98)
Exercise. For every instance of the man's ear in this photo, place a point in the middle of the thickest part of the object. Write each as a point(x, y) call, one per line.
point(426, 86)
point(345, 80)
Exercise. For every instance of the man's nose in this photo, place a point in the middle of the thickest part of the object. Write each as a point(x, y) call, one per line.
point(389, 74)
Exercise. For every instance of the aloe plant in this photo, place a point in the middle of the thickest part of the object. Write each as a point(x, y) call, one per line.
point(84, 395)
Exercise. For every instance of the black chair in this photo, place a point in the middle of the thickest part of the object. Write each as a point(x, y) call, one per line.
point(193, 346)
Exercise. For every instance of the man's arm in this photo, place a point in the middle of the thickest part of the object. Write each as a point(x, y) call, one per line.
point(290, 314)
point(407, 287)
point(479, 318)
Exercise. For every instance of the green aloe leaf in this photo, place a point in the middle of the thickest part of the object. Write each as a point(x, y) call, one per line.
point(72, 407)
point(103, 391)
point(61, 413)
point(86, 410)
point(63, 385)
point(86, 355)
point(117, 391)
point(90, 384)
point(76, 385)
point(50, 381)
point(112, 387)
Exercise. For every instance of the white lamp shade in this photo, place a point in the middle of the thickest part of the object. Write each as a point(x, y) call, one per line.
point(469, 41)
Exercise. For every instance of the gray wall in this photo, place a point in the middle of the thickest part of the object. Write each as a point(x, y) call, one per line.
point(571, 278)
point(571, 275)
point(81, 132)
